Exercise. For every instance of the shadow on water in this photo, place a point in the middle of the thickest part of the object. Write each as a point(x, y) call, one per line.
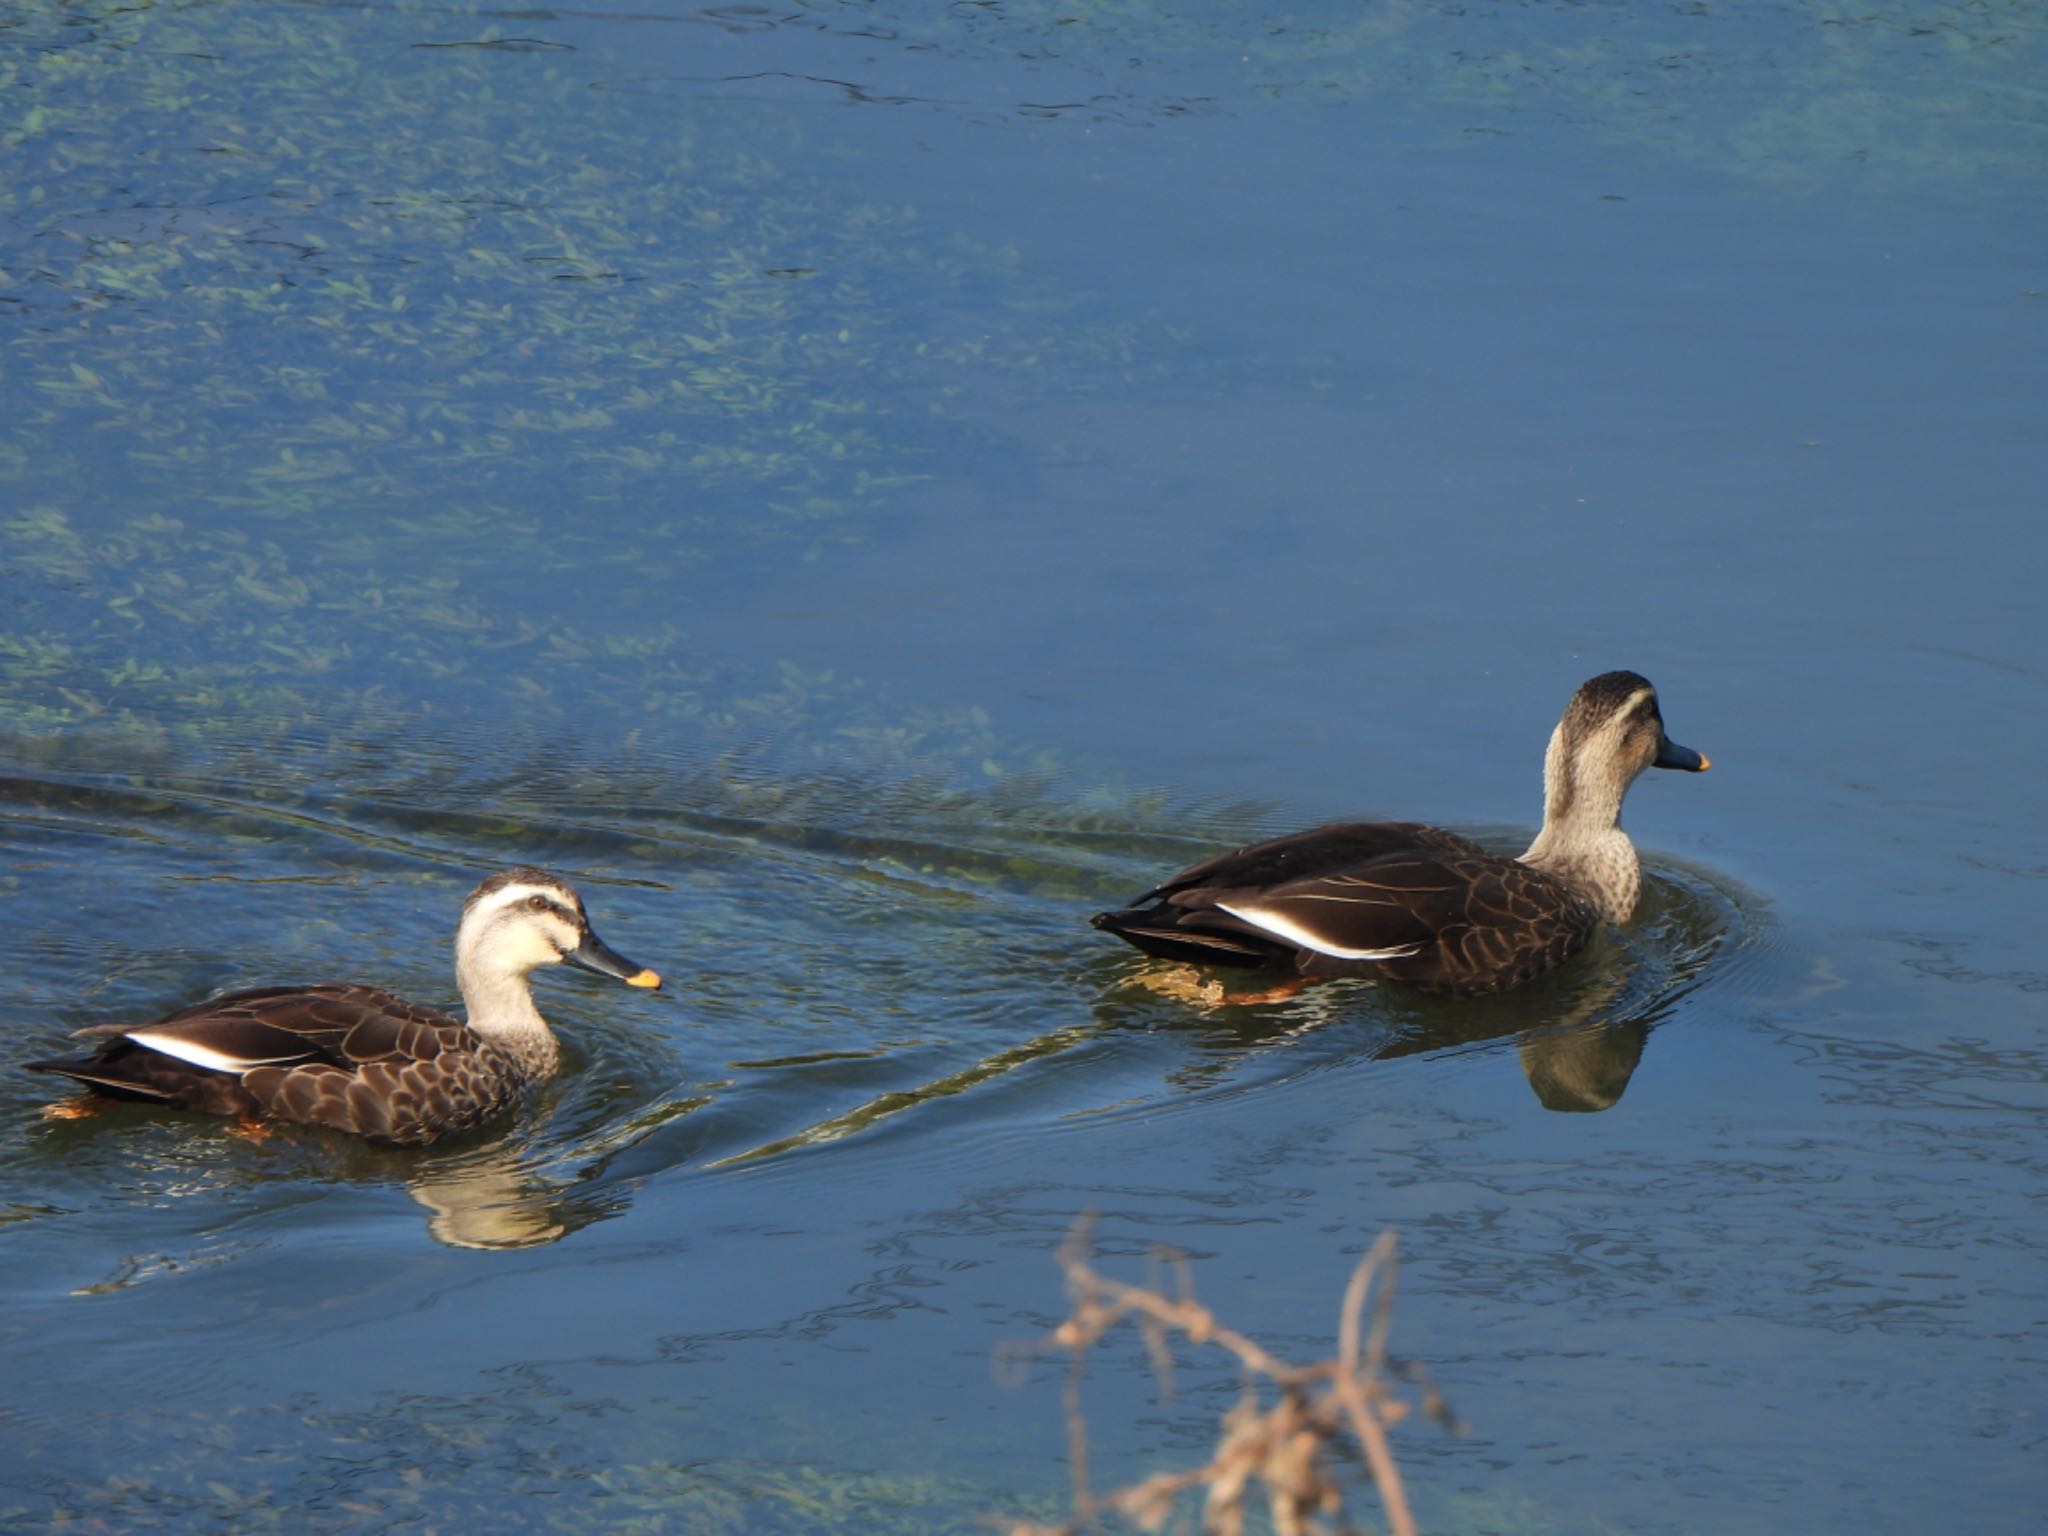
point(846, 958)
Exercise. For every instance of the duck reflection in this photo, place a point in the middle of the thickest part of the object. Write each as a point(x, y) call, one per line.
point(1582, 1070)
point(493, 1199)
point(1578, 1060)
point(506, 1192)
point(569, 1168)
point(1578, 1050)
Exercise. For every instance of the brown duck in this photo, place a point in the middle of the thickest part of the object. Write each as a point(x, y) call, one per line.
point(1422, 905)
point(360, 1059)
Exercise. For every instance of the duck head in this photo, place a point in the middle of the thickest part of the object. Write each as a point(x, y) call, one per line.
point(521, 919)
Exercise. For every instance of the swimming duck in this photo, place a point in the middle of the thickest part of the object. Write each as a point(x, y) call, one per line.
point(1420, 904)
point(360, 1059)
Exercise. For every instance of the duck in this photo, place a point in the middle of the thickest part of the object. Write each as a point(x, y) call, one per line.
point(360, 1059)
point(1421, 905)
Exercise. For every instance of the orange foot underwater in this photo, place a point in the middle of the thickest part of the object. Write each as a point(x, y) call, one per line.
point(84, 1107)
point(1182, 984)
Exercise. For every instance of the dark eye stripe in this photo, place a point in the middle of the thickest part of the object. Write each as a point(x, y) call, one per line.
point(548, 904)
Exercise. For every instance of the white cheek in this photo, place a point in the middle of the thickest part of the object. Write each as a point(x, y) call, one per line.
point(536, 948)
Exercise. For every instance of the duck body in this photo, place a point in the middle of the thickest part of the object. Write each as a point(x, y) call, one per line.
point(352, 1058)
point(361, 1059)
point(1417, 904)
point(1398, 899)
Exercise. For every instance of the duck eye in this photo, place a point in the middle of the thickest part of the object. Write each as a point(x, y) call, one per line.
point(536, 903)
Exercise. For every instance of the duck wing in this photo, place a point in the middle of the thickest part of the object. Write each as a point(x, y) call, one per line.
point(1397, 899)
point(1210, 912)
point(1303, 855)
point(336, 1023)
point(1452, 922)
point(1388, 908)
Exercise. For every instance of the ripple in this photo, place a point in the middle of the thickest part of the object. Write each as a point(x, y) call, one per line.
point(894, 964)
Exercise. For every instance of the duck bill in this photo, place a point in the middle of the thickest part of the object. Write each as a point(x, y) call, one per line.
point(593, 954)
point(1671, 755)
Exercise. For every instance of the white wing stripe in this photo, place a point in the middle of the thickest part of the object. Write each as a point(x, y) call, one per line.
point(198, 1055)
point(1294, 933)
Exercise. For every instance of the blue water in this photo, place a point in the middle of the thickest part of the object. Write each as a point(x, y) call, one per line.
point(858, 490)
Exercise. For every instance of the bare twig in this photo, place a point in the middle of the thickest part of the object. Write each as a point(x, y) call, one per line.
point(1360, 1386)
point(1280, 1450)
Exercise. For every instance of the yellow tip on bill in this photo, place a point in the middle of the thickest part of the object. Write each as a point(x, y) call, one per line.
point(643, 979)
point(1705, 762)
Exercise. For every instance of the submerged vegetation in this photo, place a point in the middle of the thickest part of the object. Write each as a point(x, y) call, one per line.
point(328, 345)
point(330, 330)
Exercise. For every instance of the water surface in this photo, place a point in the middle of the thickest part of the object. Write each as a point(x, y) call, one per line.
point(859, 488)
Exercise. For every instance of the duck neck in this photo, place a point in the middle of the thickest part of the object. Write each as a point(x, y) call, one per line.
point(1601, 865)
point(501, 1009)
point(1582, 842)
